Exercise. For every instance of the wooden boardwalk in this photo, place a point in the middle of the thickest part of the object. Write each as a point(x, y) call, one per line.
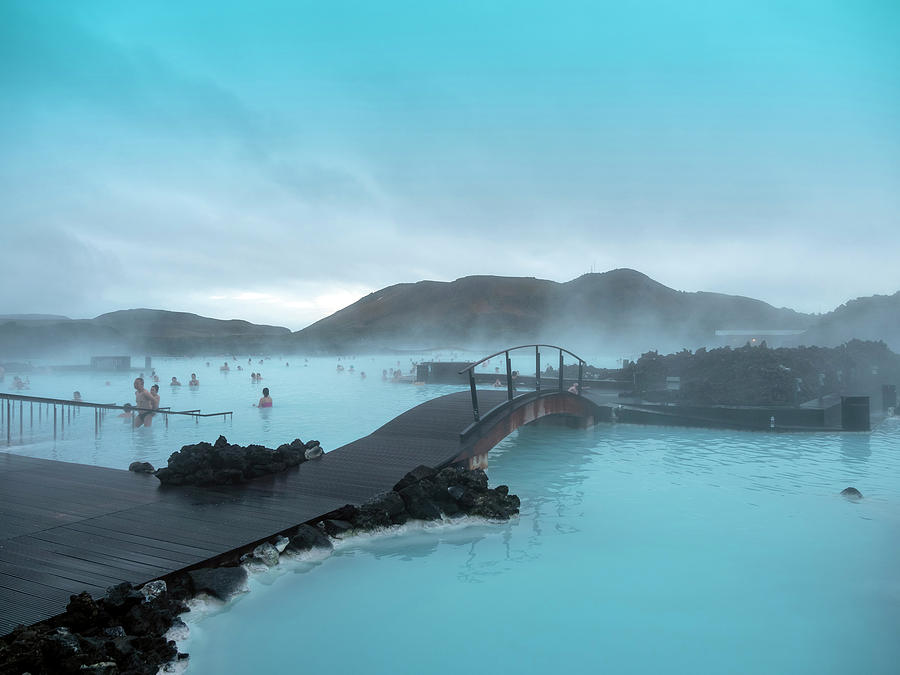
point(67, 528)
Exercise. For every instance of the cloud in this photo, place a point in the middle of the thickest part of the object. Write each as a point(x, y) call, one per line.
point(148, 160)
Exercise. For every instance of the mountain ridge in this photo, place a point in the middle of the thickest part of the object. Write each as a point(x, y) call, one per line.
point(622, 310)
point(611, 306)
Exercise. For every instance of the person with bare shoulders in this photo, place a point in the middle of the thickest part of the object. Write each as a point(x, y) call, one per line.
point(154, 393)
point(194, 381)
point(175, 382)
point(143, 399)
point(127, 413)
point(266, 400)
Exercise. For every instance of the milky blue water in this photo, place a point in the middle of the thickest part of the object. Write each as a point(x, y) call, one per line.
point(312, 400)
point(638, 549)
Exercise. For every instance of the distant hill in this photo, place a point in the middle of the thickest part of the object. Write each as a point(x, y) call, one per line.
point(159, 323)
point(876, 317)
point(621, 309)
point(618, 312)
point(33, 317)
point(149, 331)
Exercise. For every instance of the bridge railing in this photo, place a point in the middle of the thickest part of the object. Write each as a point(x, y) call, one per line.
point(8, 411)
point(510, 383)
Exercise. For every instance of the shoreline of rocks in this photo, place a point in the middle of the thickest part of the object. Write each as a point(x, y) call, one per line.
point(222, 463)
point(127, 631)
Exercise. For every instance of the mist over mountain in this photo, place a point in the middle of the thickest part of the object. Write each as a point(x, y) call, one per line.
point(618, 312)
point(620, 309)
point(151, 331)
point(876, 317)
point(33, 317)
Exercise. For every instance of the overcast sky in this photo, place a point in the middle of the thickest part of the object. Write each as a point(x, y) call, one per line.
point(275, 161)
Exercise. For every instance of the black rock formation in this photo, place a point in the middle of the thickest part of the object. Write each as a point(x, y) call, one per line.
point(851, 493)
point(306, 538)
point(224, 464)
point(141, 467)
point(122, 632)
point(425, 494)
point(219, 582)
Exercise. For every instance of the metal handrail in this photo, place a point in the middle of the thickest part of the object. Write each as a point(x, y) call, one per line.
point(509, 349)
point(510, 391)
point(107, 406)
point(99, 410)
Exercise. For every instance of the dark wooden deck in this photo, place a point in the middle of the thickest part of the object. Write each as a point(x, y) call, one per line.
point(67, 528)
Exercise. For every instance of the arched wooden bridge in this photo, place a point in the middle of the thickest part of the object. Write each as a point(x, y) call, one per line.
point(67, 528)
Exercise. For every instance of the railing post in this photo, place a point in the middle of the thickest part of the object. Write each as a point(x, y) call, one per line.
point(509, 382)
point(580, 376)
point(54, 422)
point(21, 418)
point(560, 370)
point(537, 368)
point(31, 415)
point(474, 395)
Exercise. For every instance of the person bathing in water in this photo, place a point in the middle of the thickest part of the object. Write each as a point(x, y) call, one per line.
point(143, 399)
point(266, 400)
point(194, 381)
point(175, 382)
point(154, 393)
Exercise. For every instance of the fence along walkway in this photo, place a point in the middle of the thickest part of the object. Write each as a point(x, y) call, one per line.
point(61, 409)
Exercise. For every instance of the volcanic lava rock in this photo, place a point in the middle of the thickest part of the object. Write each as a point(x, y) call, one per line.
point(334, 527)
point(419, 503)
point(122, 632)
point(851, 493)
point(219, 582)
point(414, 476)
point(141, 467)
point(264, 554)
point(224, 464)
point(379, 511)
point(306, 538)
point(314, 452)
point(425, 494)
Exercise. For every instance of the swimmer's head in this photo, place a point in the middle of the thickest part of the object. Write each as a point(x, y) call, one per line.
point(265, 391)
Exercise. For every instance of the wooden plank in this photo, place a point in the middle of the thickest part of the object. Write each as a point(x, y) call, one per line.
point(61, 566)
point(34, 553)
point(58, 581)
point(126, 533)
point(103, 543)
point(67, 527)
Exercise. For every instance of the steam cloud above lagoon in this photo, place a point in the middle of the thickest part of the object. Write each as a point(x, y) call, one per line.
point(275, 162)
